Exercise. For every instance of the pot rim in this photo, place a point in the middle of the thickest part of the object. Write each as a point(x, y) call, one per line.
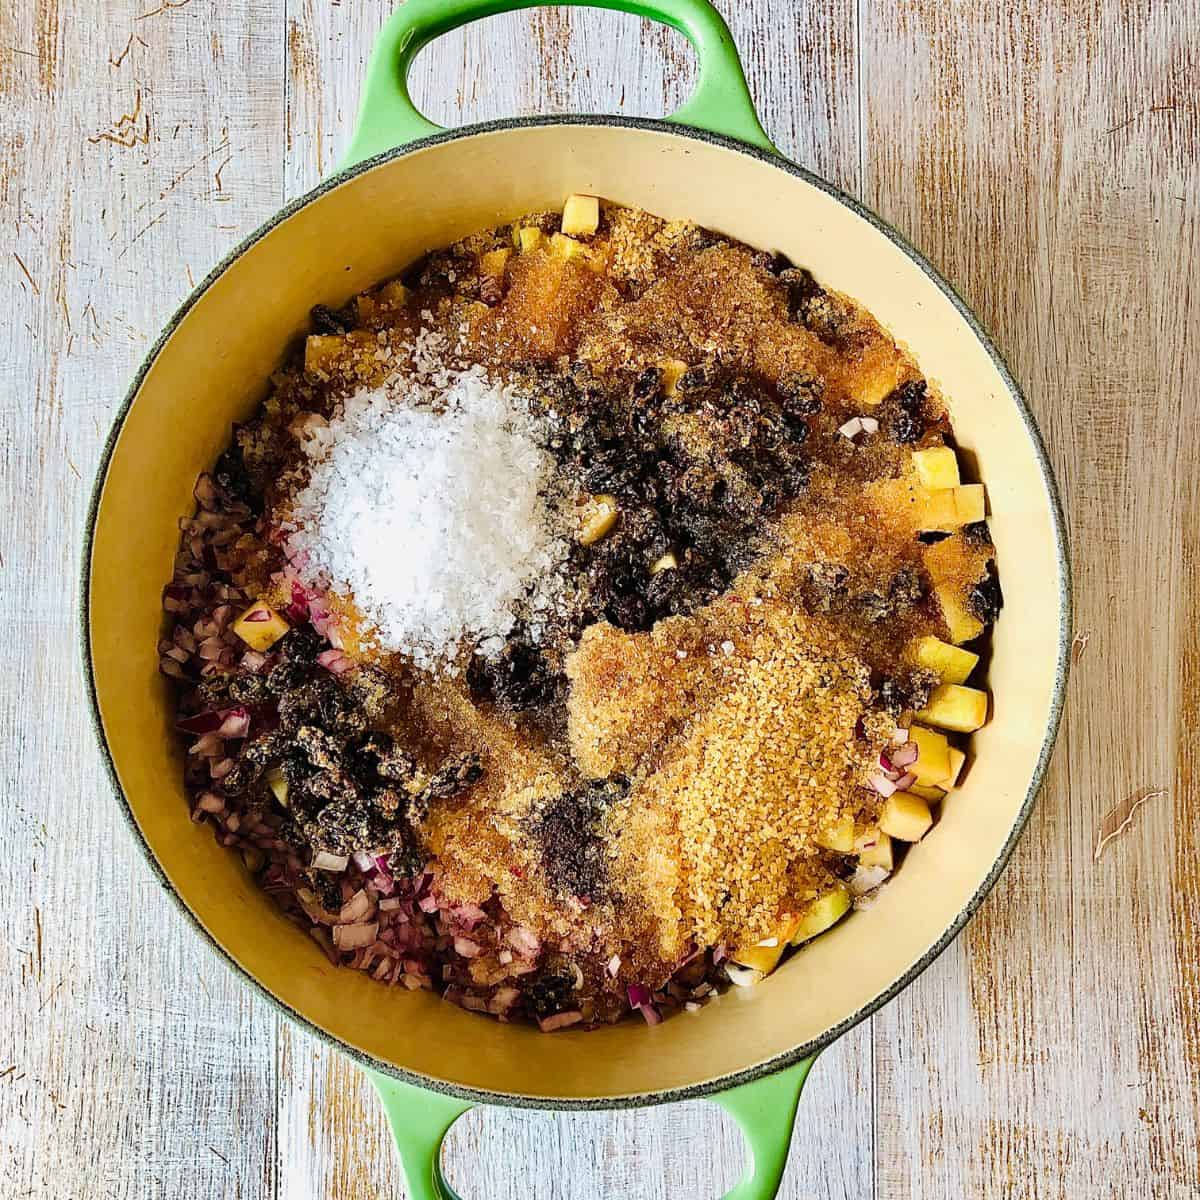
point(797, 1053)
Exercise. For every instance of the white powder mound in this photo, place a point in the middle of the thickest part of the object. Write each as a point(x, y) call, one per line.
point(426, 503)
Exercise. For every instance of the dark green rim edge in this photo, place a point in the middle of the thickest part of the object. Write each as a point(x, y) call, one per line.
point(759, 1070)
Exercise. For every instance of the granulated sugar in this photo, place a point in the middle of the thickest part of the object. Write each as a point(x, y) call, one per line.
point(427, 505)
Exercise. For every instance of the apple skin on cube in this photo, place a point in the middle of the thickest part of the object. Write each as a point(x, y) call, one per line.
point(937, 467)
point(962, 623)
point(581, 214)
point(260, 626)
point(905, 817)
point(952, 706)
point(933, 756)
point(821, 913)
point(952, 664)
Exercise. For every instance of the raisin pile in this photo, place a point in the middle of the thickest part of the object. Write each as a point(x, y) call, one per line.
point(569, 831)
point(350, 787)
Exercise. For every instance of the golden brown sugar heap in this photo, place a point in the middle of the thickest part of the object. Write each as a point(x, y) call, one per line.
point(572, 630)
point(770, 759)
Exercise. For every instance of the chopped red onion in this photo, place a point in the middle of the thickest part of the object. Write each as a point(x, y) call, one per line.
point(638, 995)
point(852, 428)
point(236, 723)
point(524, 941)
point(882, 784)
point(466, 947)
point(614, 965)
point(351, 937)
point(560, 1021)
point(650, 1014)
point(363, 861)
point(324, 861)
point(905, 755)
point(869, 424)
point(257, 616)
point(867, 879)
point(905, 781)
point(428, 904)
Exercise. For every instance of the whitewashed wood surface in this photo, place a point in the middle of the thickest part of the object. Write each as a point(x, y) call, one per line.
point(1044, 154)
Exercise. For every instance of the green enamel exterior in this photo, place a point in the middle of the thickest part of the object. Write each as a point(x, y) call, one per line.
point(764, 1110)
point(387, 117)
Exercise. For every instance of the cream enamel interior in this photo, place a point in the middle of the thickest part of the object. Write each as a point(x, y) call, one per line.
point(212, 370)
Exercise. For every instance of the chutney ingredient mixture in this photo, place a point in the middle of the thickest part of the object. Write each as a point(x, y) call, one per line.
point(583, 621)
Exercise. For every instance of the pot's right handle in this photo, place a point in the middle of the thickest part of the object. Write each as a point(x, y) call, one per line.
point(765, 1110)
point(388, 118)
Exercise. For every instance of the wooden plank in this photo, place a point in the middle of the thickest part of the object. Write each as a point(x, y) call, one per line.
point(569, 61)
point(1047, 161)
point(131, 1062)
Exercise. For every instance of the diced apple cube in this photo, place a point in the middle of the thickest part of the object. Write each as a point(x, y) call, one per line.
point(937, 467)
point(950, 663)
point(394, 293)
point(819, 914)
point(951, 706)
point(581, 214)
point(493, 262)
point(962, 623)
point(839, 837)
point(957, 760)
point(933, 756)
point(672, 372)
point(321, 351)
point(260, 626)
point(766, 954)
point(566, 247)
point(879, 854)
point(905, 817)
point(278, 786)
point(599, 515)
point(932, 795)
point(970, 499)
point(529, 238)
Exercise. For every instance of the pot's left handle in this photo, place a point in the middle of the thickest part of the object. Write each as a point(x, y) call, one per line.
point(765, 1110)
point(387, 117)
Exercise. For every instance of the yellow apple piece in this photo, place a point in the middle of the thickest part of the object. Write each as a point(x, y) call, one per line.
point(529, 238)
point(879, 854)
point(260, 626)
point(599, 515)
point(933, 756)
point(278, 786)
point(673, 370)
point(905, 817)
point(819, 914)
point(952, 706)
point(957, 760)
point(961, 622)
point(937, 467)
point(581, 214)
point(931, 795)
point(970, 500)
point(766, 954)
point(566, 247)
point(839, 837)
point(950, 663)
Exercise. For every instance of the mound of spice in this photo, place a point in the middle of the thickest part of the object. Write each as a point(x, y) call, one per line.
point(427, 505)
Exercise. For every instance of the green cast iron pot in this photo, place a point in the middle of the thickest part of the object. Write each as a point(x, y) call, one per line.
point(406, 187)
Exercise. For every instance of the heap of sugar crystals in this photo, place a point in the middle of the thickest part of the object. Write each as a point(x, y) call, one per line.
point(427, 505)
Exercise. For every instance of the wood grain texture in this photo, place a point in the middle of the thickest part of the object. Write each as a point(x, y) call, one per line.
point(1044, 153)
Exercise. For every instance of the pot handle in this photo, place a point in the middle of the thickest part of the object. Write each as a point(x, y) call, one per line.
point(765, 1110)
point(387, 117)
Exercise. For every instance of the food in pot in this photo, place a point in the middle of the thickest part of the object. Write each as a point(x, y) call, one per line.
point(578, 626)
